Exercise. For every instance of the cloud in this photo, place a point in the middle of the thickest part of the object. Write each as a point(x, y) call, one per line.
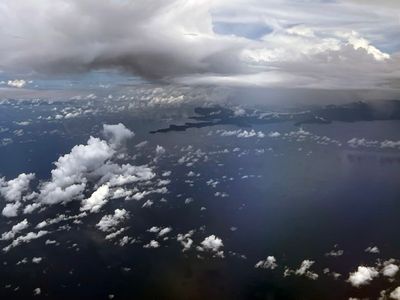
point(17, 83)
point(154, 229)
point(304, 269)
point(96, 200)
point(11, 210)
point(351, 47)
point(37, 260)
point(395, 294)
point(269, 263)
point(117, 134)
point(160, 150)
point(151, 38)
point(241, 133)
point(13, 190)
point(25, 239)
point(113, 235)
point(212, 244)
point(17, 228)
point(363, 142)
point(160, 231)
point(141, 144)
point(91, 162)
point(185, 240)
point(58, 219)
point(385, 3)
point(148, 203)
point(374, 250)
point(305, 265)
point(363, 276)
point(37, 292)
point(164, 231)
point(390, 270)
point(31, 207)
point(109, 222)
point(335, 252)
point(152, 244)
point(69, 176)
point(274, 134)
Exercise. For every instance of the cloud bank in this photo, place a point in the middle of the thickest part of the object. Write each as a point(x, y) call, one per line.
point(279, 43)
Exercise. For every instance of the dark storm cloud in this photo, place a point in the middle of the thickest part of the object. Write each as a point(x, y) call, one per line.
point(153, 38)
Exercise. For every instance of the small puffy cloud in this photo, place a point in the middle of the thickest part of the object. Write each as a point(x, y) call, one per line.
point(42, 224)
point(395, 294)
point(335, 253)
point(212, 244)
point(305, 265)
point(160, 150)
point(96, 200)
point(166, 173)
point(374, 250)
point(121, 193)
point(274, 134)
point(117, 134)
point(268, 263)
point(109, 222)
point(13, 190)
point(140, 195)
point(152, 244)
point(37, 292)
point(154, 229)
point(390, 270)
point(37, 260)
point(241, 133)
point(148, 203)
point(164, 231)
point(361, 142)
point(189, 200)
point(113, 235)
point(11, 209)
point(363, 276)
point(25, 239)
point(31, 207)
point(304, 269)
point(185, 240)
point(17, 228)
point(116, 175)
point(390, 144)
point(16, 83)
point(160, 231)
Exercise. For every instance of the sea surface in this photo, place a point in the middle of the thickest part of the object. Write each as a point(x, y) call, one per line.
point(295, 196)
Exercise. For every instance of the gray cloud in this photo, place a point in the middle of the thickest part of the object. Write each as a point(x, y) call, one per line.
point(349, 46)
point(153, 38)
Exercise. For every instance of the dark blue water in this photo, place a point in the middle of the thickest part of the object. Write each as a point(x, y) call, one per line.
point(295, 201)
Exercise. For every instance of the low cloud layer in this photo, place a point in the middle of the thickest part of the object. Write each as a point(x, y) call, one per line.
point(279, 43)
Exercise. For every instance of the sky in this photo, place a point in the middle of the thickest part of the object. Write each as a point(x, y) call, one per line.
point(307, 44)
